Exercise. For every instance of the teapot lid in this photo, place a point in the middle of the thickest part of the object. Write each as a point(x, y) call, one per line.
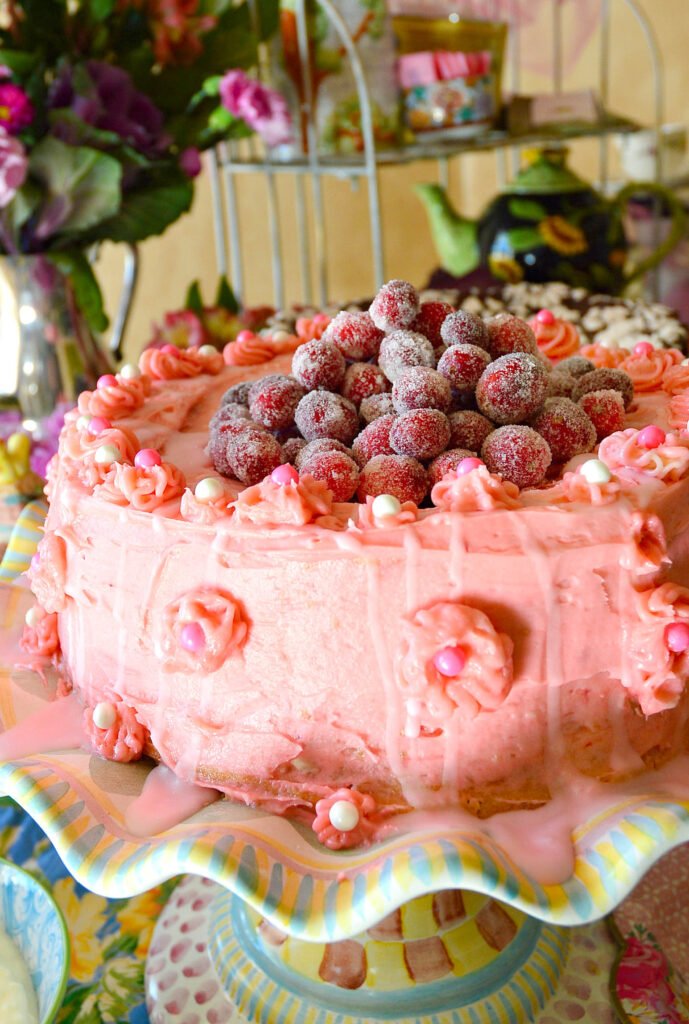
point(546, 173)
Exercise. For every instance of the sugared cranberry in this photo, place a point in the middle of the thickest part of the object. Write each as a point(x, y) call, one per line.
point(324, 444)
point(230, 412)
point(238, 393)
point(508, 333)
point(398, 475)
point(462, 365)
point(291, 448)
point(273, 399)
point(324, 414)
point(336, 470)
point(251, 454)
point(605, 379)
point(420, 387)
point(375, 406)
point(446, 462)
point(576, 365)
point(402, 349)
point(605, 409)
point(518, 454)
point(354, 334)
point(395, 306)
point(374, 440)
point(319, 366)
point(512, 388)
point(420, 434)
point(566, 428)
point(560, 385)
point(430, 319)
point(469, 429)
point(462, 328)
point(363, 380)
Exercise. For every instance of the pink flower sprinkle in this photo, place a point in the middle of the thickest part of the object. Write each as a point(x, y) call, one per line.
point(544, 316)
point(468, 466)
point(677, 637)
point(146, 458)
point(651, 437)
point(97, 424)
point(192, 637)
point(107, 380)
point(285, 474)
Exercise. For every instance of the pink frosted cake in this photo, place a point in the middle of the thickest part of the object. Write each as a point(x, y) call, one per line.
point(414, 563)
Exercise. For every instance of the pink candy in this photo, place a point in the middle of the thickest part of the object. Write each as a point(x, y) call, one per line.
point(107, 380)
point(468, 466)
point(192, 638)
point(97, 424)
point(146, 458)
point(677, 637)
point(284, 475)
point(170, 350)
point(245, 336)
point(651, 437)
point(643, 348)
point(450, 661)
point(544, 316)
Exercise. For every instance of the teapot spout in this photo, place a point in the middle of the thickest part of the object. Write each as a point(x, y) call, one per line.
point(455, 237)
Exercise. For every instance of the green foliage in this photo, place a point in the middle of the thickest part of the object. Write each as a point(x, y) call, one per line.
point(76, 267)
point(81, 186)
point(193, 301)
point(526, 209)
point(523, 239)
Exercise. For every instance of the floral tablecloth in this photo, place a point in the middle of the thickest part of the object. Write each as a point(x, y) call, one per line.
point(110, 938)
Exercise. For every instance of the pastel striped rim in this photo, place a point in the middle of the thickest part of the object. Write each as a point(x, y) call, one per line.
point(23, 541)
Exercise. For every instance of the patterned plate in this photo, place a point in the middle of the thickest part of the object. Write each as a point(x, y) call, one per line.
point(279, 868)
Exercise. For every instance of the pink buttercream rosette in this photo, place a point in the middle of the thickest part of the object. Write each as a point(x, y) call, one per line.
point(676, 380)
point(624, 456)
point(604, 356)
point(646, 551)
point(41, 639)
point(483, 683)
point(656, 675)
point(575, 487)
point(332, 837)
point(142, 488)
point(477, 491)
point(556, 340)
point(124, 741)
point(48, 573)
point(222, 623)
point(206, 512)
point(253, 350)
point(180, 364)
point(78, 452)
point(408, 513)
point(296, 503)
point(112, 401)
point(649, 369)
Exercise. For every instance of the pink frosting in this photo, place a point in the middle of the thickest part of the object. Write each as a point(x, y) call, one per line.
point(80, 447)
point(657, 676)
point(143, 488)
point(49, 573)
point(254, 350)
point(221, 620)
point(602, 356)
point(295, 504)
point(556, 340)
point(205, 512)
point(678, 416)
point(483, 683)
point(669, 602)
point(326, 831)
point(124, 741)
point(162, 364)
point(575, 487)
point(408, 513)
point(478, 491)
point(677, 380)
point(120, 399)
point(648, 370)
point(623, 455)
point(647, 549)
point(41, 639)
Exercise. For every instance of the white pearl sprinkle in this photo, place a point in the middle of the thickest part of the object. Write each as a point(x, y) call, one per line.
point(685, 362)
point(279, 336)
point(33, 617)
point(208, 488)
point(83, 422)
point(104, 715)
point(343, 816)
point(107, 453)
point(385, 505)
point(207, 350)
point(130, 372)
point(595, 471)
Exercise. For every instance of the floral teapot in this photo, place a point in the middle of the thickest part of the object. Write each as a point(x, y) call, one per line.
point(548, 225)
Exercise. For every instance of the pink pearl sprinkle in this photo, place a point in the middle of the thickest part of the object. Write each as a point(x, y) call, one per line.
point(643, 348)
point(677, 637)
point(192, 637)
point(468, 465)
point(170, 350)
point(147, 457)
point(544, 316)
point(450, 661)
point(245, 336)
point(285, 474)
point(107, 380)
point(650, 437)
point(97, 424)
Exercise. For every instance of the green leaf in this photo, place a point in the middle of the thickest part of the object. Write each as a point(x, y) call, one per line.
point(193, 301)
point(101, 9)
point(226, 297)
point(87, 295)
point(25, 202)
point(526, 209)
point(268, 18)
point(82, 186)
point(19, 62)
point(522, 239)
point(149, 208)
point(121, 944)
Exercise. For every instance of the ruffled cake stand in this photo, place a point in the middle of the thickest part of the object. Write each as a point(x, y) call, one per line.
point(432, 925)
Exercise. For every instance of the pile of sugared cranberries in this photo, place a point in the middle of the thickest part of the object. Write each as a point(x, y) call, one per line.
point(390, 400)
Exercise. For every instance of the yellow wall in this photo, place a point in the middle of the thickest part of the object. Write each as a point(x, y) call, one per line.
point(186, 251)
